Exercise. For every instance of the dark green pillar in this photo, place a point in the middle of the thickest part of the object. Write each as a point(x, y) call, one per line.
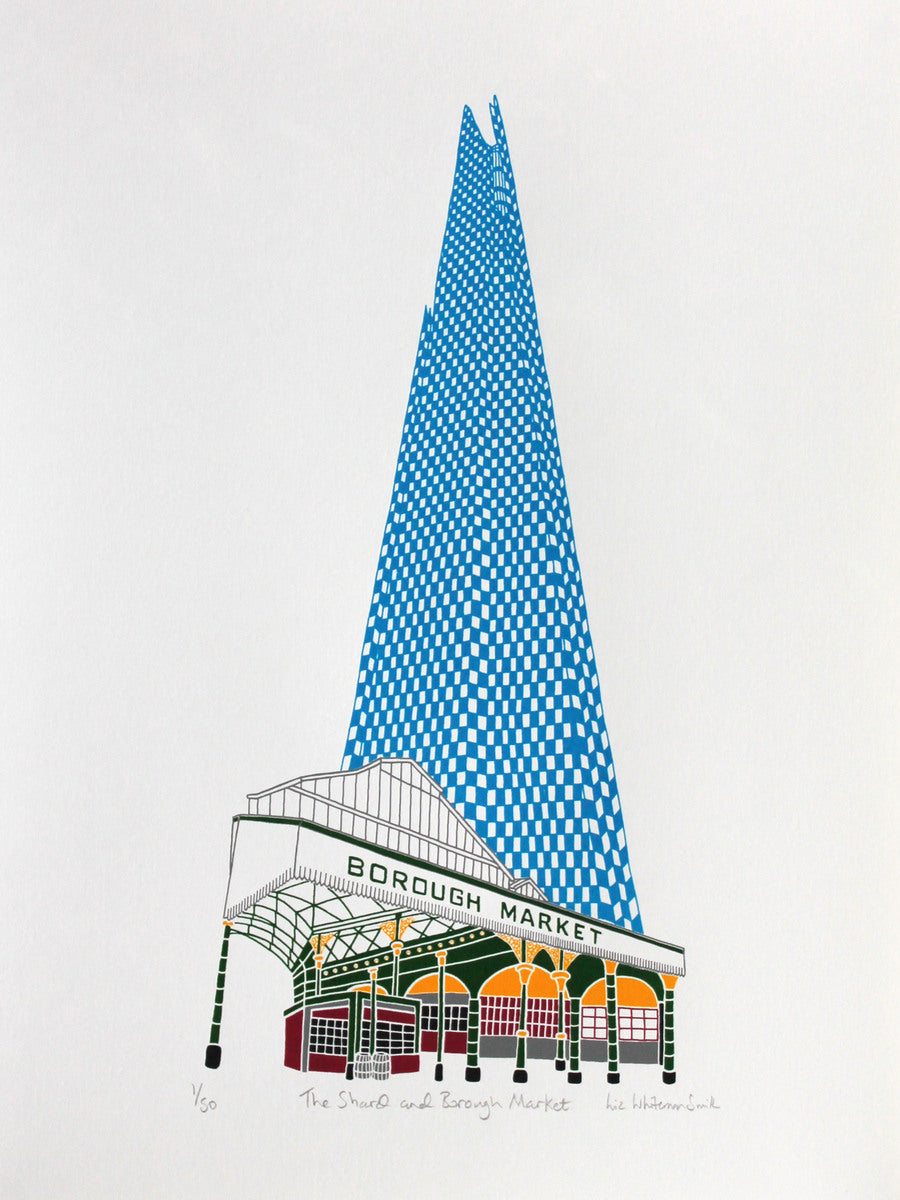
point(612, 1026)
point(473, 1070)
point(574, 1040)
point(668, 1074)
point(395, 972)
point(354, 1008)
point(561, 977)
point(373, 1008)
point(520, 1074)
point(214, 1050)
point(397, 947)
point(439, 1061)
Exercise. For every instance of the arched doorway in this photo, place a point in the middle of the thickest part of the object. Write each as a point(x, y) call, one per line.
point(456, 1011)
point(500, 1004)
point(594, 1032)
point(638, 1020)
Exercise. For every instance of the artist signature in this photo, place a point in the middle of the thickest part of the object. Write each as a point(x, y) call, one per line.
point(645, 1103)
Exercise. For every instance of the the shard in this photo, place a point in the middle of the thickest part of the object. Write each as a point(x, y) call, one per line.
point(477, 660)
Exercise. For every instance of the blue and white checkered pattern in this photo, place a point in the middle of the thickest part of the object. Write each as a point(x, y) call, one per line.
point(477, 659)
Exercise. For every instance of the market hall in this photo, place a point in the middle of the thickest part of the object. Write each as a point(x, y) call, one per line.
point(408, 940)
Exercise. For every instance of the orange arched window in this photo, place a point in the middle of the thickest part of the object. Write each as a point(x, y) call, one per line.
point(634, 993)
point(595, 996)
point(506, 983)
point(593, 1012)
point(501, 1004)
point(429, 983)
point(637, 1011)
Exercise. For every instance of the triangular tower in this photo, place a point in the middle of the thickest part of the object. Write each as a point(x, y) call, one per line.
point(478, 660)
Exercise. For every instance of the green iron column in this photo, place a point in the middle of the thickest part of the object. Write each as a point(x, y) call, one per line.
point(560, 978)
point(439, 1061)
point(473, 1070)
point(373, 1008)
point(520, 1074)
point(612, 1026)
point(397, 948)
point(354, 1009)
point(214, 1050)
point(318, 959)
point(668, 1075)
point(575, 1040)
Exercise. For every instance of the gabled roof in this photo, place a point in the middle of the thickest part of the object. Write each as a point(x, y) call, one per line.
point(393, 803)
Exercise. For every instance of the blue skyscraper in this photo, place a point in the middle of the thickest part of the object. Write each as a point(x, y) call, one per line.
point(477, 660)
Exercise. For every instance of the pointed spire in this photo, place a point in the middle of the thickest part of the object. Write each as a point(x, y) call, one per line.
point(478, 660)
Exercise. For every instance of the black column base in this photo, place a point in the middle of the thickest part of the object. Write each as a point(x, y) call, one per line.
point(520, 1075)
point(560, 1064)
point(668, 1076)
point(348, 1074)
point(574, 1077)
point(438, 1072)
point(612, 1076)
point(473, 1074)
point(213, 1056)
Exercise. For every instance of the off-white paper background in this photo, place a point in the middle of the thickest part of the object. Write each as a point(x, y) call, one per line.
point(220, 225)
